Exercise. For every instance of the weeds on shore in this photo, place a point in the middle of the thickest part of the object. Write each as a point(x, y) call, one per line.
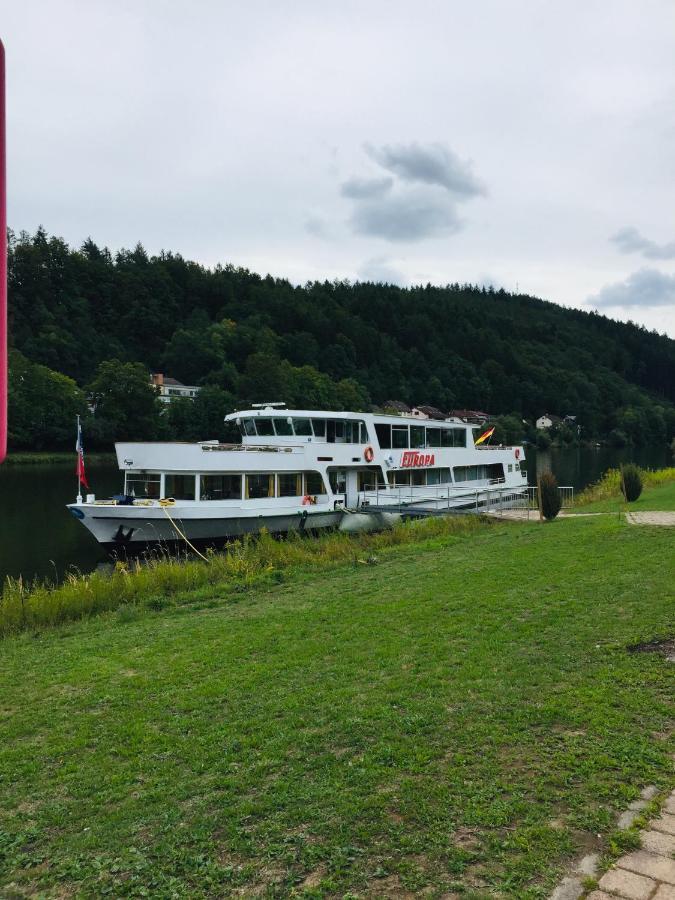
point(609, 486)
point(159, 578)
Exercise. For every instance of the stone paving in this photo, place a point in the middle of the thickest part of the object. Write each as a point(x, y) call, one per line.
point(646, 874)
point(649, 873)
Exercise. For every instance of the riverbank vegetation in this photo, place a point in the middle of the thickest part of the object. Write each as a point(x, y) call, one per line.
point(607, 490)
point(161, 580)
point(461, 714)
point(326, 345)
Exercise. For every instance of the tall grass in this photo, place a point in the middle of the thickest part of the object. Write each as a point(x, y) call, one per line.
point(157, 580)
point(609, 485)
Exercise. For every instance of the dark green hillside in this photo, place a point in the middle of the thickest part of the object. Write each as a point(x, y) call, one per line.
point(332, 343)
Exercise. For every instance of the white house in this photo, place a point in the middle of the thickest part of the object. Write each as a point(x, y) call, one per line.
point(169, 389)
point(547, 421)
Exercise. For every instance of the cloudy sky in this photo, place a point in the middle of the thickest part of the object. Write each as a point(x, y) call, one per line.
point(528, 144)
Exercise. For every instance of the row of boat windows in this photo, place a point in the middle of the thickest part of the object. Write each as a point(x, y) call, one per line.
point(418, 437)
point(371, 479)
point(225, 487)
point(342, 431)
point(256, 485)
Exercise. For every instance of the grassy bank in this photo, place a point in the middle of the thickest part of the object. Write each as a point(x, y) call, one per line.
point(605, 495)
point(168, 580)
point(458, 714)
point(54, 457)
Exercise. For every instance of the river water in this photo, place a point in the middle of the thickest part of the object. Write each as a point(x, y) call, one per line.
point(40, 539)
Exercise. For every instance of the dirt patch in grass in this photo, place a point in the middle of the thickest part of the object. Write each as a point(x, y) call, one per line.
point(663, 646)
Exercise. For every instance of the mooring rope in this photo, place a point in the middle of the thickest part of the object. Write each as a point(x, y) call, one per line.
point(185, 538)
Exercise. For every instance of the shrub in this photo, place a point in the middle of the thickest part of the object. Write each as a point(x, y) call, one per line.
point(631, 482)
point(549, 496)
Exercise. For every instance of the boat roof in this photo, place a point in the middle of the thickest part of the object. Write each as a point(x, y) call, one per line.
point(277, 410)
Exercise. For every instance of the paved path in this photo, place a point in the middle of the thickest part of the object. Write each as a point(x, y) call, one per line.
point(649, 873)
point(650, 518)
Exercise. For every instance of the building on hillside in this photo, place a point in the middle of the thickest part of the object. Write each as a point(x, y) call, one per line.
point(169, 389)
point(547, 421)
point(474, 416)
point(428, 412)
point(396, 406)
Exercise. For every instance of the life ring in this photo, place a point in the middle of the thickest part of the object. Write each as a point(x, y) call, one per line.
point(517, 453)
point(369, 454)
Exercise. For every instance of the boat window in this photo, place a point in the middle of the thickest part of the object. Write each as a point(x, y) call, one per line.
point(370, 480)
point(433, 437)
point(417, 437)
point(477, 473)
point(181, 487)
point(265, 427)
point(258, 486)
point(289, 484)
point(319, 426)
point(383, 433)
point(283, 427)
point(453, 437)
point(303, 427)
point(433, 476)
point(249, 427)
point(142, 486)
point(418, 477)
point(401, 478)
point(338, 481)
point(220, 487)
point(399, 436)
point(314, 483)
point(355, 432)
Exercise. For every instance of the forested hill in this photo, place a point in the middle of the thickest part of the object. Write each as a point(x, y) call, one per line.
point(331, 343)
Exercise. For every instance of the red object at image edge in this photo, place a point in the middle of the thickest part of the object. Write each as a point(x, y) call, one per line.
point(3, 263)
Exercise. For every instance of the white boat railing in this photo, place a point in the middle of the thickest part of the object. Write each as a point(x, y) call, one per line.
point(482, 498)
point(253, 448)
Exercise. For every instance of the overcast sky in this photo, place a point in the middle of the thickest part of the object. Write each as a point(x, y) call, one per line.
point(526, 144)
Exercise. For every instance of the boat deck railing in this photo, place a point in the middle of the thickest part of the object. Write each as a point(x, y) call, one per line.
point(253, 448)
point(485, 497)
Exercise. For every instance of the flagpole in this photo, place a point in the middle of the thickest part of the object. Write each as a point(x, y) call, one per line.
point(77, 467)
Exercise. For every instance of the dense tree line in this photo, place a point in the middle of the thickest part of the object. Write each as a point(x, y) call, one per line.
point(96, 323)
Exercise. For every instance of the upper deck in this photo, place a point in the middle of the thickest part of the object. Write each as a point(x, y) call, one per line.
point(274, 425)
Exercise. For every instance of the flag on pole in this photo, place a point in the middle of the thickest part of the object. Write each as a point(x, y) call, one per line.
point(81, 475)
point(485, 436)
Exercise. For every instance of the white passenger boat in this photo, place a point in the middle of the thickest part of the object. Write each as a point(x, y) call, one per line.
point(300, 470)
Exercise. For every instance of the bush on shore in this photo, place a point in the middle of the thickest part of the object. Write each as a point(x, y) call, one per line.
point(631, 482)
point(549, 496)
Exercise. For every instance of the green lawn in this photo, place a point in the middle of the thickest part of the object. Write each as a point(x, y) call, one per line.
point(651, 498)
point(460, 715)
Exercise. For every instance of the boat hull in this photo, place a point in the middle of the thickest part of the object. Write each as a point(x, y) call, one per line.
point(118, 527)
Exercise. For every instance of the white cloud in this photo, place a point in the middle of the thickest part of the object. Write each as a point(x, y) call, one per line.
point(629, 240)
point(433, 164)
point(365, 188)
point(411, 216)
point(646, 288)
